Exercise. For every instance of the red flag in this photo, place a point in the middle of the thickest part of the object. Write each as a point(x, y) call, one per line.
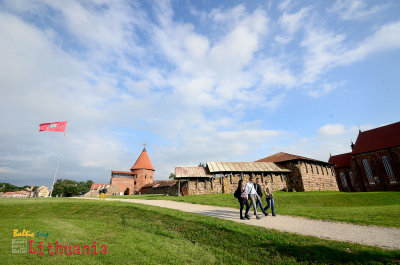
point(54, 126)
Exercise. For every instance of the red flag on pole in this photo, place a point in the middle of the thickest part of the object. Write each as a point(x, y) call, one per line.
point(53, 126)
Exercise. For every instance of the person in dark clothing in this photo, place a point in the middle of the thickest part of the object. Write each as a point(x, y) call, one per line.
point(104, 193)
point(257, 186)
point(100, 192)
point(243, 200)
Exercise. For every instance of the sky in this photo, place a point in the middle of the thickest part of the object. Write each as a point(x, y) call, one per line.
point(195, 81)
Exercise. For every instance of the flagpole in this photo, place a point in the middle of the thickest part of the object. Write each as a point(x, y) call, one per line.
point(58, 162)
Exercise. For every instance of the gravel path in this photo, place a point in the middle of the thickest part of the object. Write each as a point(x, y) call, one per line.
point(366, 235)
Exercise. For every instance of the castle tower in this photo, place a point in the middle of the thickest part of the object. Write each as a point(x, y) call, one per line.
point(144, 171)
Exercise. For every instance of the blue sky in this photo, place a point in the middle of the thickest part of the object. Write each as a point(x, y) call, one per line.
point(196, 81)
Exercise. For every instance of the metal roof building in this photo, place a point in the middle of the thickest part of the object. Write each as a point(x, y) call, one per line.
point(214, 168)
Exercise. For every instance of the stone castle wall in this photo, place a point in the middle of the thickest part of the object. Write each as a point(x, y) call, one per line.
point(310, 176)
point(229, 183)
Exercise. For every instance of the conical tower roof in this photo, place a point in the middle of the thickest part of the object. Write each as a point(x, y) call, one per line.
point(143, 162)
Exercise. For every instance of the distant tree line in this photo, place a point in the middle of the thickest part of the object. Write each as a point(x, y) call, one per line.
point(6, 187)
point(69, 188)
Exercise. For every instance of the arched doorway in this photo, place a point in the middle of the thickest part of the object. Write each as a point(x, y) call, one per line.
point(126, 192)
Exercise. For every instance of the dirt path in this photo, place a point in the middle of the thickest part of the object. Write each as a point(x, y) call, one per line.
point(366, 235)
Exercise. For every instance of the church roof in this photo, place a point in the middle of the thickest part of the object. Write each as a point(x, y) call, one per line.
point(143, 162)
point(342, 160)
point(282, 157)
point(378, 138)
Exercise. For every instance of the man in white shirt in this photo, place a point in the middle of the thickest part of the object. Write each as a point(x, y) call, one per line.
point(252, 194)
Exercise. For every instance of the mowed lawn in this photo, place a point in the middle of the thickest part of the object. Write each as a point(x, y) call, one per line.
point(140, 234)
point(367, 208)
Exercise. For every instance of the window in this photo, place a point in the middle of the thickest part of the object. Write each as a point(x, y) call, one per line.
point(368, 171)
point(281, 177)
point(332, 171)
point(316, 167)
point(352, 179)
point(305, 164)
point(231, 179)
point(343, 179)
point(322, 170)
point(327, 172)
point(312, 170)
point(197, 183)
point(212, 184)
point(272, 178)
point(205, 184)
point(388, 169)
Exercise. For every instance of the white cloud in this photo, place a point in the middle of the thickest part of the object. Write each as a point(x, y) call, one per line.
point(331, 129)
point(327, 50)
point(8, 170)
point(284, 5)
point(330, 139)
point(385, 38)
point(355, 9)
point(323, 50)
point(121, 77)
point(291, 23)
point(324, 89)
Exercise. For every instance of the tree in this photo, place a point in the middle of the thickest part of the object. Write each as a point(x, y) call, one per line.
point(172, 176)
point(201, 165)
point(6, 187)
point(69, 188)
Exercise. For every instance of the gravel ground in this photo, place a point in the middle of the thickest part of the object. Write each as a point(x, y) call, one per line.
point(366, 235)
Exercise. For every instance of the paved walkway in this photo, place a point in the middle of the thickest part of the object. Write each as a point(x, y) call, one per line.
point(366, 235)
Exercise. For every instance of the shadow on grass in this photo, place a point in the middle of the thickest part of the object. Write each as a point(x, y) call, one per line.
point(317, 253)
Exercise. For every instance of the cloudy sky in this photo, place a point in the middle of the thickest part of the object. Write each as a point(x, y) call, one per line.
point(196, 81)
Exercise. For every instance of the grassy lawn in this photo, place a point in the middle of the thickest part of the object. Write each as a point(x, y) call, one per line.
point(140, 234)
point(367, 208)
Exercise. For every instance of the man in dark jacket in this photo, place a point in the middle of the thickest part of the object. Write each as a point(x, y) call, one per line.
point(257, 186)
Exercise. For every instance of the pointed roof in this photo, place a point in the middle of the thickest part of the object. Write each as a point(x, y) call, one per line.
point(342, 160)
point(378, 138)
point(283, 157)
point(143, 162)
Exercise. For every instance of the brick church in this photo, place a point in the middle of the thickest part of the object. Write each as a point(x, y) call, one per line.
point(132, 182)
point(374, 162)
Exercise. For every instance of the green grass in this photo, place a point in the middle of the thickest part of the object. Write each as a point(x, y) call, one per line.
point(140, 234)
point(367, 208)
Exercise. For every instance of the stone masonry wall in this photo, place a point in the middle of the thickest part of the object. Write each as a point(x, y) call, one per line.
point(315, 176)
point(229, 183)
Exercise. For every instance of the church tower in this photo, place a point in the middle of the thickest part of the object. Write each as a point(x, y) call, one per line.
point(144, 171)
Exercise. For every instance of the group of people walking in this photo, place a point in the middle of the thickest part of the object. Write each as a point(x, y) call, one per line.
point(252, 192)
point(103, 192)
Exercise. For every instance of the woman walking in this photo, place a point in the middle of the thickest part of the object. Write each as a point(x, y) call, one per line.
point(269, 198)
point(241, 189)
